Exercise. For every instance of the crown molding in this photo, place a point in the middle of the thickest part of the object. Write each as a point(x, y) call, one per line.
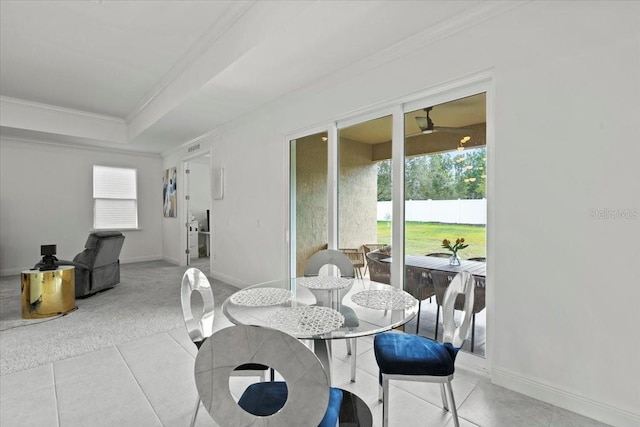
point(78, 146)
point(407, 46)
point(37, 106)
point(193, 55)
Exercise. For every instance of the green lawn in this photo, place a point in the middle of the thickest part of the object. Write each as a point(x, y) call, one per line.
point(425, 237)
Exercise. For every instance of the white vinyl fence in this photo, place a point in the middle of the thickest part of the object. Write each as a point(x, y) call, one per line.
point(445, 211)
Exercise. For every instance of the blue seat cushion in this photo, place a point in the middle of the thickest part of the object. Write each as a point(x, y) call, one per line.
point(267, 398)
point(406, 354)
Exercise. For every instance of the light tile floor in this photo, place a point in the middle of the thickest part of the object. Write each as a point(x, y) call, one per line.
point(149, 382)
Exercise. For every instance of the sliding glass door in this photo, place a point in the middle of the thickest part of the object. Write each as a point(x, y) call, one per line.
point(399, 185)
point(445, 201)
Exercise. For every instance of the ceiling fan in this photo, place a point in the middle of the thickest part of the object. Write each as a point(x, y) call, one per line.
point(426, 125)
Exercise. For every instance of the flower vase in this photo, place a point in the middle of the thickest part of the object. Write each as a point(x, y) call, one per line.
point(454, 260)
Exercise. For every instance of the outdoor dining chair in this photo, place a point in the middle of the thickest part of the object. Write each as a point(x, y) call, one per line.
point(357, 259)
point(369, 247)
point(379, 271)
point(418, 284)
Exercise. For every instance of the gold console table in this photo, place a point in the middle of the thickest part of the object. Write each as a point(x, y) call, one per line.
point(48, 293)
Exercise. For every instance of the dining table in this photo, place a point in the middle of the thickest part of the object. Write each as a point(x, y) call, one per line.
point(477, 268)
point(322, 309)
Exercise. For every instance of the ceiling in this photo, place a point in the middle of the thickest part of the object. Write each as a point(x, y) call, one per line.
point(150, 76)
point(463, 113)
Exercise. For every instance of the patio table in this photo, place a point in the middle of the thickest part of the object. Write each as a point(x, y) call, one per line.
point(476, 268)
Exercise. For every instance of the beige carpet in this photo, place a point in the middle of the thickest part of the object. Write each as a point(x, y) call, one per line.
point(146, 302)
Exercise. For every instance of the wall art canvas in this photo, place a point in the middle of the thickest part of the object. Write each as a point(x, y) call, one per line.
point(169, 193)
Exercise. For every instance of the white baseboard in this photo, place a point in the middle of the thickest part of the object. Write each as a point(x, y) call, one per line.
point(17, 271)
point(171, 260)
point(140, 259)
point(13, 271)
point(228, 279)
point(572, 402)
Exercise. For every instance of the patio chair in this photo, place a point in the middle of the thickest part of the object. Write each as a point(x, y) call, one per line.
point(408, 357)
point(379, 271)
point(418, 284)
point(441, 281)
point(303, 398)
point(357, 259)
point(200, 327)
point(368, 247)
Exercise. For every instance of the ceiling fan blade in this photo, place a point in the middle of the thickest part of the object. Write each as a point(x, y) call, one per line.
point(452, 129)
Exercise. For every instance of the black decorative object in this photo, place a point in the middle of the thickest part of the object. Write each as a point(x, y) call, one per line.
point(49, 261)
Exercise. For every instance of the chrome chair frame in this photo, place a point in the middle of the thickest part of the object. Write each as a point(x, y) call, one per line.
point(344, 264)
point(200, 328)
point(462, 283)
point(307, 381)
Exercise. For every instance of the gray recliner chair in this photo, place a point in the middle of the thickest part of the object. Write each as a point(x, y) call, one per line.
point(97, 267)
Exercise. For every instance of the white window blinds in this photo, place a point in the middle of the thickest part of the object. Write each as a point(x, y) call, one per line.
point(115, 204)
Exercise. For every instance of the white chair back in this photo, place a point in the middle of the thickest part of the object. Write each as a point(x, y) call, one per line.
point(462, 283)
point(199, 327)
point(329, 256)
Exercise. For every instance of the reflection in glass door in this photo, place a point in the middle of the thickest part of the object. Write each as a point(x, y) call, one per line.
point(364, 153)
point(445, 199)
point(308, 192)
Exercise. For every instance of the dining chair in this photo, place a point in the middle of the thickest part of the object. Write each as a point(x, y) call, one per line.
point(418, 284)
point(408, 357)
point(345, 266)
point(303, 398)
point(357, 259)
point(369, 247)
point(200, 327)
point(441, 281)
point(379, 271)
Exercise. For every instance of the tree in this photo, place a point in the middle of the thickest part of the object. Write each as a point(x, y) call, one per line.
point(471, 172)
point(384, 181)
point(416, 181)
point(442, 176)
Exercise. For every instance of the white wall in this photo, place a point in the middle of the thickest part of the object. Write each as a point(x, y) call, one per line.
point(566, 119)
point(46, 195)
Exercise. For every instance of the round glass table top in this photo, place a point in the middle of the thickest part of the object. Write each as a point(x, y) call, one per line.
point(325, 310)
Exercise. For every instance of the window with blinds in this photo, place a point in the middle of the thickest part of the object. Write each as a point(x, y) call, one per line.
point(115, 198)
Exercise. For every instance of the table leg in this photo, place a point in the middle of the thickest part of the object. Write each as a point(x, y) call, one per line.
point(322, 349)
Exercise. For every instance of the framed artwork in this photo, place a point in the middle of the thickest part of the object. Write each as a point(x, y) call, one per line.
point(169, 193)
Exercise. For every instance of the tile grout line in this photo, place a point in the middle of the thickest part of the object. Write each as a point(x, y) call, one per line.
point(55, 394)
point(180, 344)
point(146, 398)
